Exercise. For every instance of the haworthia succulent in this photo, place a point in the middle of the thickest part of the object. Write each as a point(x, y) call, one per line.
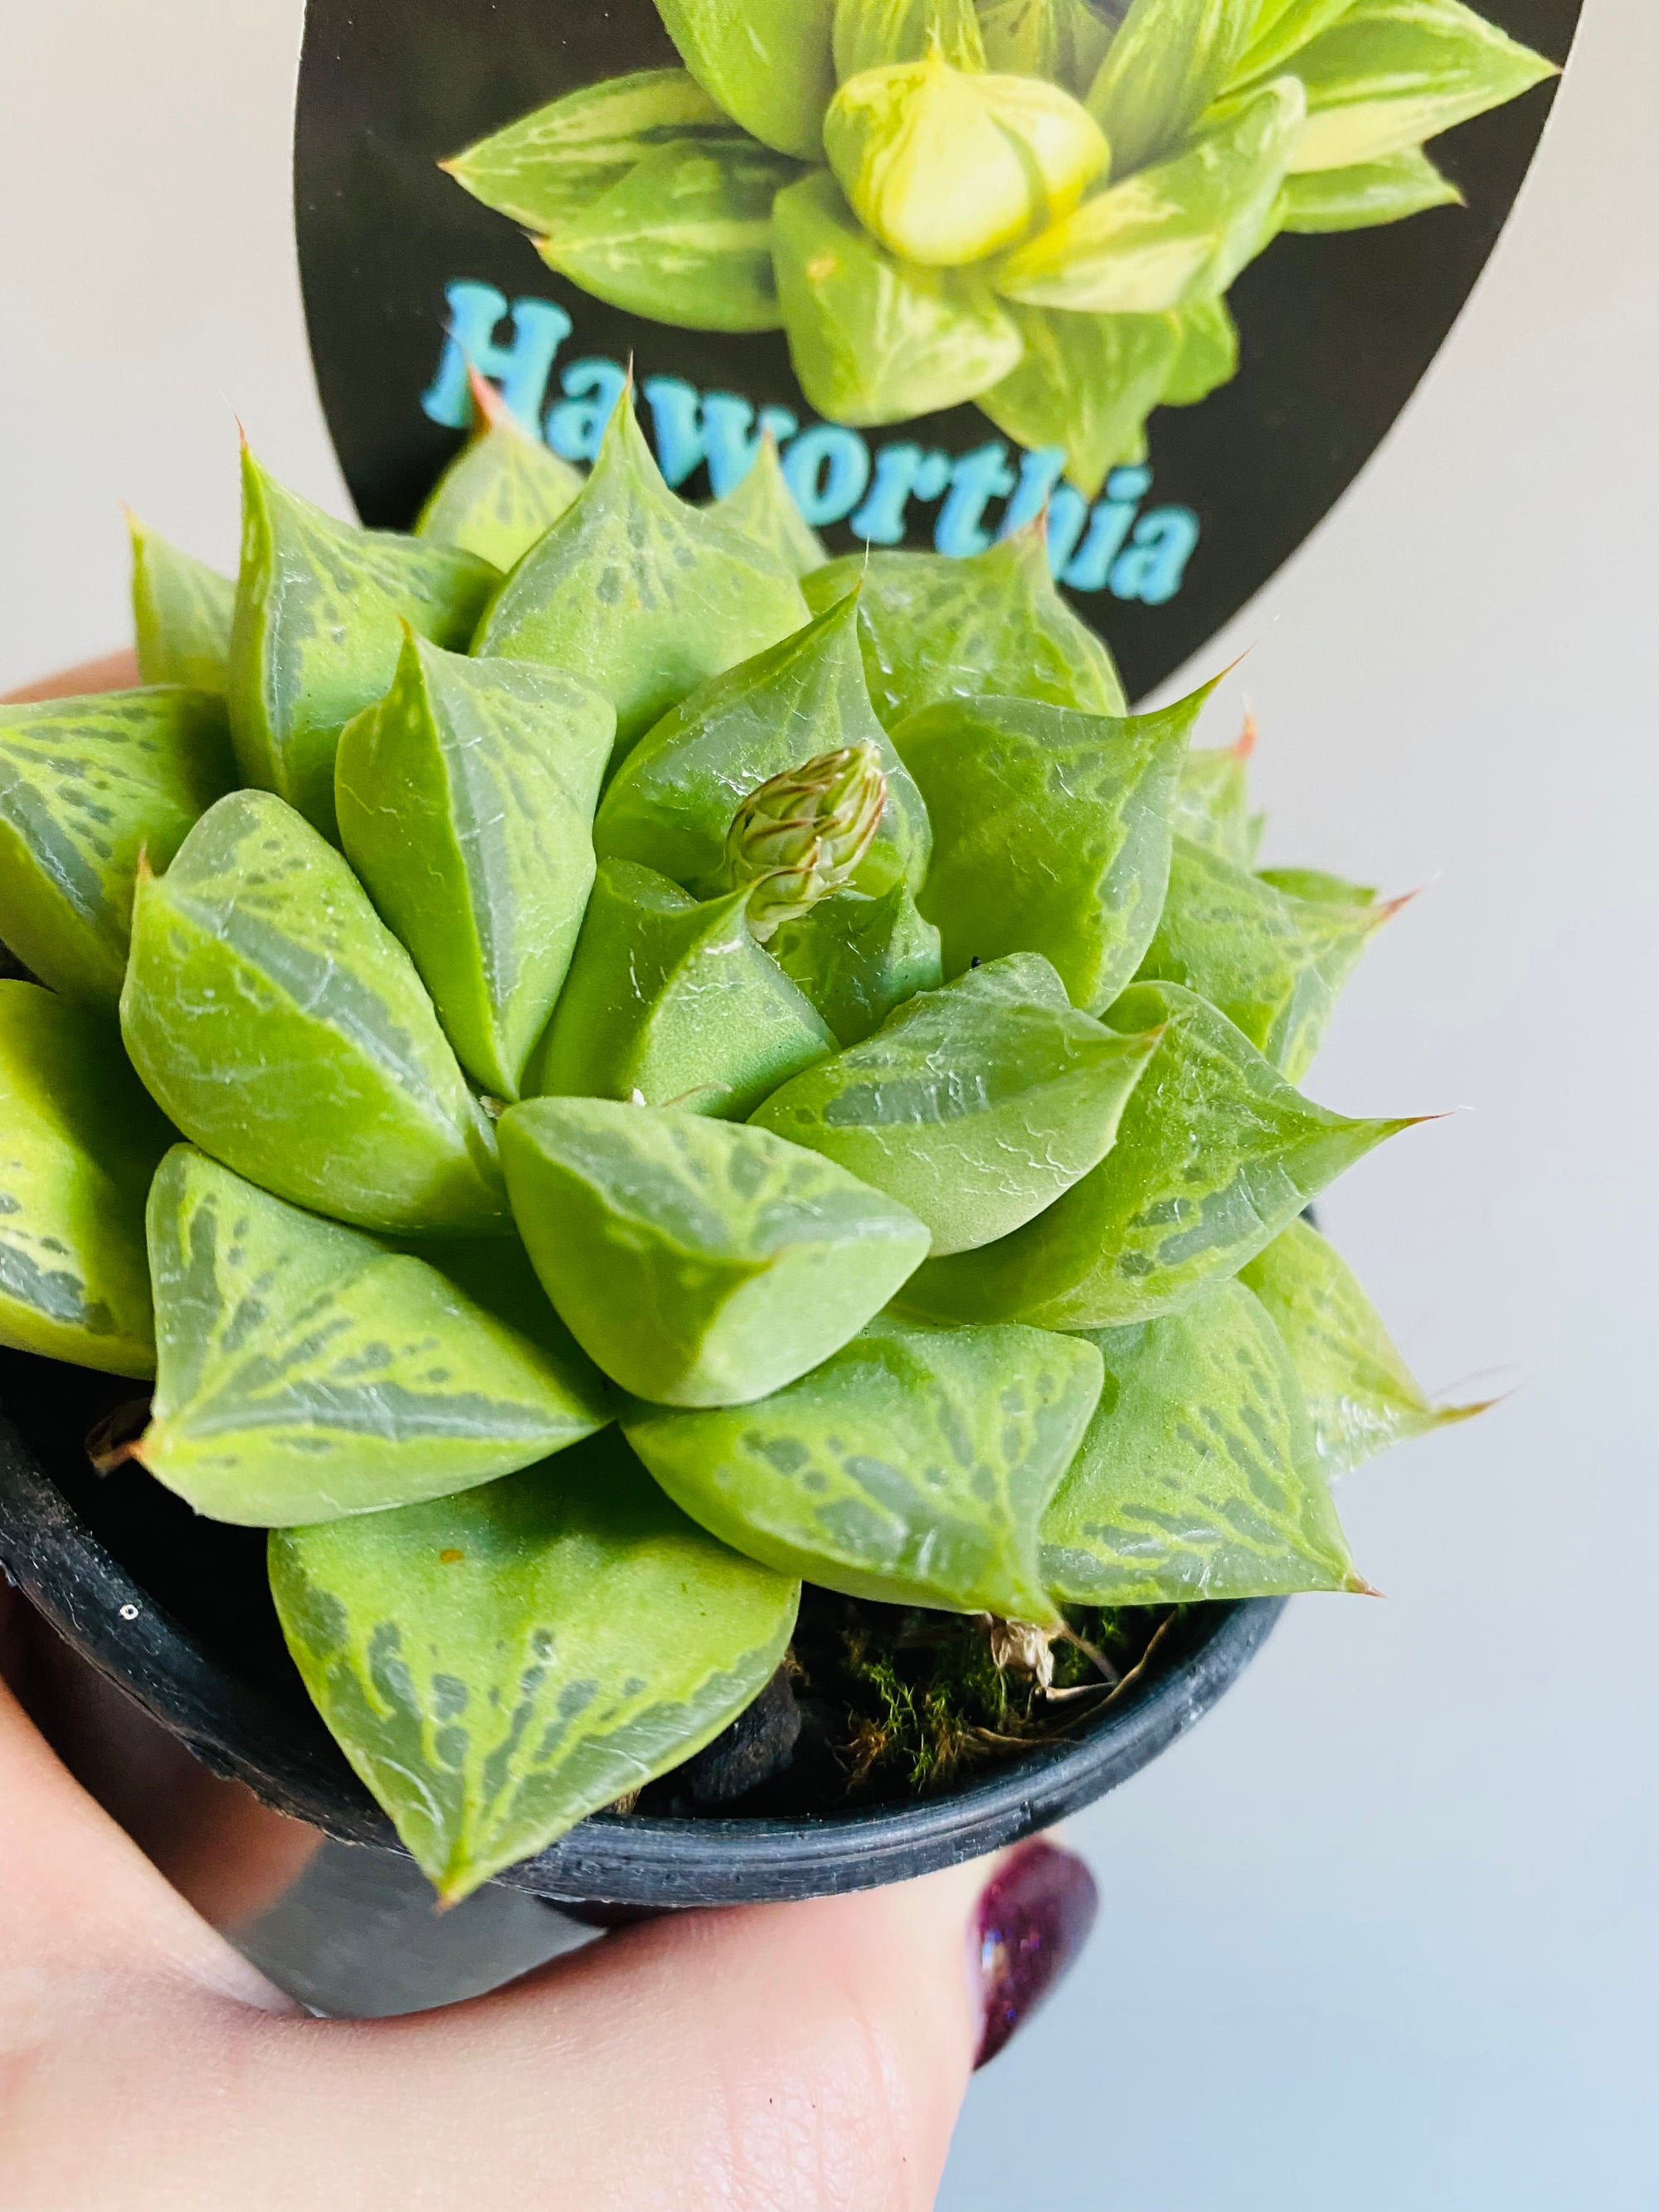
point(1273, 963)
point(498, 1665)
point(670, 804)
point(79, 1141)
point(768, 64)
point(1212, 800)
point(85, 786)
point(700, 1263)
point(674, 1000)
point(1065, 40)
point(1177, 232)
point(1280, 27)
point(857, 958)
point(976, 1105)
point(911, 1469)
point(945, 165)
point(1385, 190)
point(1167, 62)
point(306, 1370)
point(685, 238)
point(934, 629)
point(280, 1024)
point(762, 511)
point(1391, 73)
point(873, 338)
point(1198, 1477)
point(638, 594)
point(1360, 1393)
point(1085, 383)
point(181, 611)
point(551, 164)
point(501, 491)
point(1317, 884)
point(1051, 830)
point(1207, 354)
point(874, 34)
point(464, 801)
point(803, 835)
point(320, 609)
point(1215, 1154)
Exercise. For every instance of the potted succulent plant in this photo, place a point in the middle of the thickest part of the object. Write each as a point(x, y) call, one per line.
point(707, 1139)
point(1036, 205)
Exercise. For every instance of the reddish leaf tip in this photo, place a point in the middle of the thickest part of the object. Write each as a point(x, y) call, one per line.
point(1243, 744)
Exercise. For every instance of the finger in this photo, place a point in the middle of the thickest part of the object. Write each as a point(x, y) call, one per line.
point(791, 2058)
point(111, 672)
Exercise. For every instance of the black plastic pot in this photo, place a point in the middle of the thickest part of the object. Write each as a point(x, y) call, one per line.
point(176, 1612)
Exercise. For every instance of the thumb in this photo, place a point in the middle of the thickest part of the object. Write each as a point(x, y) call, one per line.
point(774, 2058)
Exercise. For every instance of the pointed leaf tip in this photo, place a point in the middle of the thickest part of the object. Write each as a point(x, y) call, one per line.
point(1244, 746)
point(491, 407)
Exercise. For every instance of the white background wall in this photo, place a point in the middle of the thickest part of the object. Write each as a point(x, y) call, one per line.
point(1379, 1937)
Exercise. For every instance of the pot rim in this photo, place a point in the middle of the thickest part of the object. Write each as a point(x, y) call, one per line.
point(240, 1730)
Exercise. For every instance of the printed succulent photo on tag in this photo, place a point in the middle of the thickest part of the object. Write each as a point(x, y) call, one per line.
point(1154, 276)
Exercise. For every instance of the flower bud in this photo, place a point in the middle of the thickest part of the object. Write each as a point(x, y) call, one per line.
point(946, 165)
point(801, 835)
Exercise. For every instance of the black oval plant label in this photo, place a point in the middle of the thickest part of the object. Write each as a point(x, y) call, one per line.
point(1167, 271)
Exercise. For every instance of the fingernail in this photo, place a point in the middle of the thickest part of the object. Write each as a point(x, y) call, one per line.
point(1034, 1920)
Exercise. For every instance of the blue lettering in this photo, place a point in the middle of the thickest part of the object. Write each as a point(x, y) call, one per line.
point(827, 469)
point(1068, 512)
point(716, 426)
point(976, 478)
point(902, 473)
point(1155, 563)
point(1108, 526)
point(521, 366)
point(1039, 473)
point(592, 389)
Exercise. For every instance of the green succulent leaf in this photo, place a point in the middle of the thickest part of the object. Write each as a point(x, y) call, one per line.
point(911, 1469)
point(1167, 62)
point(876, 33)
point(857, 958)
point(975, 1105)
point(1051, 832)
point(638, 594)
point(498, 1665)
point(1361, 1395)
point(934, 629)
point(670, 804)
point(551, 165)
point(466, 799)
point(181, 611)
point(1212, 800)
point(1391, 73)
point(1198, 1479)
point(1385, 190)
point(305, 1370)
point(1315, 883)
point(762, 511)
point(945, 165)
point(768, 64)
point(282, 1027)
point(501, 491)
point(685, 237)
point(872, 339)
point(1085, 383)
point(1273, 963)
point(675, 1000)
point(1178, 231)
point(320, 609)
point(79, 1141)
point(87, 786)
point(1280, 30)
point(699, 1262)
point(1215, 1154)
point(1206, 357)
point(1064, 40)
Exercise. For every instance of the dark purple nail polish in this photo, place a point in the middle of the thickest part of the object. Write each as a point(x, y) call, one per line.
point(1034, 1920)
